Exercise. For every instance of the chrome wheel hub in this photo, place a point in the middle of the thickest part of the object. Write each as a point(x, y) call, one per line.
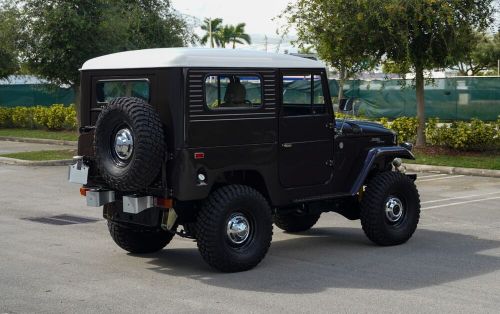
point(238, 228)
point(394, 209)
point(124, 144)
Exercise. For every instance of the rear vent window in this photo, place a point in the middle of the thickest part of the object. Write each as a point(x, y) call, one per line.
point(109, 89)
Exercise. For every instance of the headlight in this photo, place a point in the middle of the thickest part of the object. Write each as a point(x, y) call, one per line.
point(408, 146)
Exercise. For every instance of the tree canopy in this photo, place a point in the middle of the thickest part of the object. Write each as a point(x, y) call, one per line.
point(9, 63)
point(428, 34)
point(343, 33)
point(483, 57)
point(414, 35)
point(58, 36)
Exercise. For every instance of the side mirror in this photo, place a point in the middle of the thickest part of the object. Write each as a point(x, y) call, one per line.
point(346, 104)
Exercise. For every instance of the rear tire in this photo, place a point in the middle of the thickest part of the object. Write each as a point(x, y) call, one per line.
point(137, 240)
point(136, 126)
point(234, 228)
point(390, 209)
point(295, 222)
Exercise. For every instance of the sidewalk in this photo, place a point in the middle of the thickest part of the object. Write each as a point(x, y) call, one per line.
point(26, 145)
point(7, 147)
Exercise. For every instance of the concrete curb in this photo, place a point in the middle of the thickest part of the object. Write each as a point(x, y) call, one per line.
point(20, 162)
point(38, 141)
point(454, 170)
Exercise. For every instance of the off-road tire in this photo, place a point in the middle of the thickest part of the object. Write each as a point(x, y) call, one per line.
point(295, 222)
point(376, 225)
point(213, 241)
point(138, 241)
point(149, 144)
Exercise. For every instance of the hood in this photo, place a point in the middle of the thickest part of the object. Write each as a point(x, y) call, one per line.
point(363, 128)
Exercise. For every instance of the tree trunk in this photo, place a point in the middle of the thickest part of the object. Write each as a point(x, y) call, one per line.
point(76, 89)
point(342, 75)
point(419, 80)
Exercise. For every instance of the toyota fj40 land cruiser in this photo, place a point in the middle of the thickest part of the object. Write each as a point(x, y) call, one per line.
point(216, 145)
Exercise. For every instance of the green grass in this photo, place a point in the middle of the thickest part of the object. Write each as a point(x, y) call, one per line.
point(481, 162)
point(52, 135)
point(43, 155)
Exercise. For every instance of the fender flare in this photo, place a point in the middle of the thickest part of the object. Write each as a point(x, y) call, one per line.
point(372, 156)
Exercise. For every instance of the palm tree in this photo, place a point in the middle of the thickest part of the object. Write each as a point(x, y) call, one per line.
point(213, 29)
point(239, 36)
point(226, 35)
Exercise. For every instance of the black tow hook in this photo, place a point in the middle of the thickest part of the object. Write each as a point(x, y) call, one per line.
point(86, 129)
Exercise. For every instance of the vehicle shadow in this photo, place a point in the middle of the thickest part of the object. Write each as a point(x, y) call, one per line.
point(343, 258)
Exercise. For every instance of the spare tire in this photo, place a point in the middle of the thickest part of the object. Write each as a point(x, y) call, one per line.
point(129, 144)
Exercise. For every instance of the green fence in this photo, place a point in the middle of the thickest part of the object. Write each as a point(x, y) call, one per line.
point(34, 94)
point(460, 98)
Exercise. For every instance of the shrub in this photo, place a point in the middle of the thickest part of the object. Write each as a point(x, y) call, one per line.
point(405, 127)
point(70, 121)
point(384, 122)
point(41, 115)
point(56, 117)
point(473, 135)
point(23, 117)
point(5, 117)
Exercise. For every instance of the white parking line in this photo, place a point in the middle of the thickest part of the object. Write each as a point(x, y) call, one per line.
point(458, 197)
point(465, 202)
point(442, 178)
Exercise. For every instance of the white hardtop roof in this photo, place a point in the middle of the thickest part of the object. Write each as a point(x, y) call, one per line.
point(197, 57)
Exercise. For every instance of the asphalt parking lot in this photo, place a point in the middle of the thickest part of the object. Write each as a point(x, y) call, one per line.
point(452, 264)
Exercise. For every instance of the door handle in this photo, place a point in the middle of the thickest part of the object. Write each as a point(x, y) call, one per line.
point(287, 145)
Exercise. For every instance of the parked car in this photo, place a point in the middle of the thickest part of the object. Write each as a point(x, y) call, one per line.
point(216, 145)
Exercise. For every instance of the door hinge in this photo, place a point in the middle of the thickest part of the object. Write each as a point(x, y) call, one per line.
point(329, 163)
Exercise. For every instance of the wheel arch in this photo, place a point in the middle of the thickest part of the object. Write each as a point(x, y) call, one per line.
point(249, 177)
point(377, 160)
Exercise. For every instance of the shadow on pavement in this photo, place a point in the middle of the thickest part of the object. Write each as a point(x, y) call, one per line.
point(343, 258)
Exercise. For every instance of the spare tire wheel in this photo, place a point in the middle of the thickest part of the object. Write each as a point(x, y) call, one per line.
point(129, 144)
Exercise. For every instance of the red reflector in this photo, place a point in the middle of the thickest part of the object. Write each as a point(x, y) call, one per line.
point(164, 202)
point(199, 155)
point(83, 191)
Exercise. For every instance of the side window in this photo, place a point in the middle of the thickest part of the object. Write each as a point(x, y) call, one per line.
point(230, 91)
point(303, 95)
point(109, 89)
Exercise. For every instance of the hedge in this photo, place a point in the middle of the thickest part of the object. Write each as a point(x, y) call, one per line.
point(473, 135)
point(55, 117)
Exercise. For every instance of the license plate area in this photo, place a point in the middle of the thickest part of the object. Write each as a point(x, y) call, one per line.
point(78, 173)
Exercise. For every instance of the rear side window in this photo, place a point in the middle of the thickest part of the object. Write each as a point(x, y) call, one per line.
point(232, 91)
point(109, 89)
point(303, 95)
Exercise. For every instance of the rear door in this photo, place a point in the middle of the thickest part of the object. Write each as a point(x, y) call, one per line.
point(305, 129)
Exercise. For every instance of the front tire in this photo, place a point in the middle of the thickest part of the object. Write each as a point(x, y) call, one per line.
point(137, 240)
point(390, 209)
point(234, 228)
